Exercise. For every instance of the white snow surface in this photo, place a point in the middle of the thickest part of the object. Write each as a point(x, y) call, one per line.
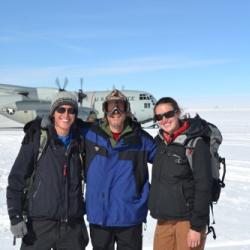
point(232, 213)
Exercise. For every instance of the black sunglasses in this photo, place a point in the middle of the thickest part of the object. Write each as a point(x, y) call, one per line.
point(169, 114)
point(62, 110)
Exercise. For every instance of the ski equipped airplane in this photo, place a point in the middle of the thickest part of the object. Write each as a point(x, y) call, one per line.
point(22, 104)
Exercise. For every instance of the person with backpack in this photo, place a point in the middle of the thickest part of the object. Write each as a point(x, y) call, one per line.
point(180, 196)
point(117, 186)
point(45, 188)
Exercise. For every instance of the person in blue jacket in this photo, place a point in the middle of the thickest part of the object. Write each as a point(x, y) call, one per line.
point(117, 187)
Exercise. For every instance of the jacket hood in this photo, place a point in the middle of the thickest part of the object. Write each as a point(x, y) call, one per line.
point(197, 128)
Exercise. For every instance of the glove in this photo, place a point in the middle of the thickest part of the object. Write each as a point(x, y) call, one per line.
point(19, 229)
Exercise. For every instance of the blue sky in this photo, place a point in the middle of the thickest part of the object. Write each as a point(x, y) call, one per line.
point(169, 48)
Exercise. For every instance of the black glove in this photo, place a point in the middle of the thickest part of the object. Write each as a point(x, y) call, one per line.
point(19, 229)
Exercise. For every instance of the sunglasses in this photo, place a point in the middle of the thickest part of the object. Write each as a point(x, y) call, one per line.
point(119, 105)
point(62, 110)
point(169, 114)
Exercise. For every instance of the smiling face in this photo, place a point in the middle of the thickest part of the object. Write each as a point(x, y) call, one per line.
point(116, 121)
point(171, 123)
point(63, 119)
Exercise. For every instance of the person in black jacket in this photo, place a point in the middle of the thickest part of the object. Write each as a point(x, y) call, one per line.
point(55, 200)
point(179, 197)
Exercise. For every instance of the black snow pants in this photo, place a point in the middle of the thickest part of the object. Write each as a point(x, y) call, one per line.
point(125, 238)
point(46, 235)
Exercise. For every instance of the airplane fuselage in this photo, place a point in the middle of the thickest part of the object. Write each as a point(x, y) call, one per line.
point(23, 104)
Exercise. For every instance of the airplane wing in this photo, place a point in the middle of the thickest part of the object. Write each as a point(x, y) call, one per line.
point(154, 125)
point(15, 90)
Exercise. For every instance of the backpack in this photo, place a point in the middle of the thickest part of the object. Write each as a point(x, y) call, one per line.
point(213, 137)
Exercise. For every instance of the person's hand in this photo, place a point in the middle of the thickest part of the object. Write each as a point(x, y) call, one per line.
point(19, 229)
point(193, 238)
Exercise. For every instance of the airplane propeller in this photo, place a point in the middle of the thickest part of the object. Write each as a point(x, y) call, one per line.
point(64, 85)
point(81, 95)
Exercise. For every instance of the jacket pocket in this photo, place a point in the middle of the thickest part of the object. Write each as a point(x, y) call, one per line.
point(168, 201)
point(33, 195)
point(42, 203)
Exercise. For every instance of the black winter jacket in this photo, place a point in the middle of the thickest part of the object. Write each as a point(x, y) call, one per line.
point(56, 193)
point(177, 192)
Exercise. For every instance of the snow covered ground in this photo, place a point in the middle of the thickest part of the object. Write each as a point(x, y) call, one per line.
point(231, 214)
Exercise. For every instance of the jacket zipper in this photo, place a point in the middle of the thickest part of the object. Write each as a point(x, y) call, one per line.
point(64, 217)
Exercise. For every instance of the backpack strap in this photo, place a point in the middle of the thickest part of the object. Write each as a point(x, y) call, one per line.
point(82, 156)
point(190, 149)
point(81, 150)
point(223, 162)
point(43, 142)
point(211, 230)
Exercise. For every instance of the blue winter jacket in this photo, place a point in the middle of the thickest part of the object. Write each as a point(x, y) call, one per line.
point(117, 176)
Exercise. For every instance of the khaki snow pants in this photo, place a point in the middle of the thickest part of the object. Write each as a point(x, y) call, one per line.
point(172, 235)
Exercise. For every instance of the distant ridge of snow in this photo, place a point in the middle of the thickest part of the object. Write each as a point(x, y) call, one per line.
point(215, 102)
point(229, 109)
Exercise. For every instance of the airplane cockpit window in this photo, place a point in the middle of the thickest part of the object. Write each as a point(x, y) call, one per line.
point(152, 99)
point(144, 97)
point(141, 96)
